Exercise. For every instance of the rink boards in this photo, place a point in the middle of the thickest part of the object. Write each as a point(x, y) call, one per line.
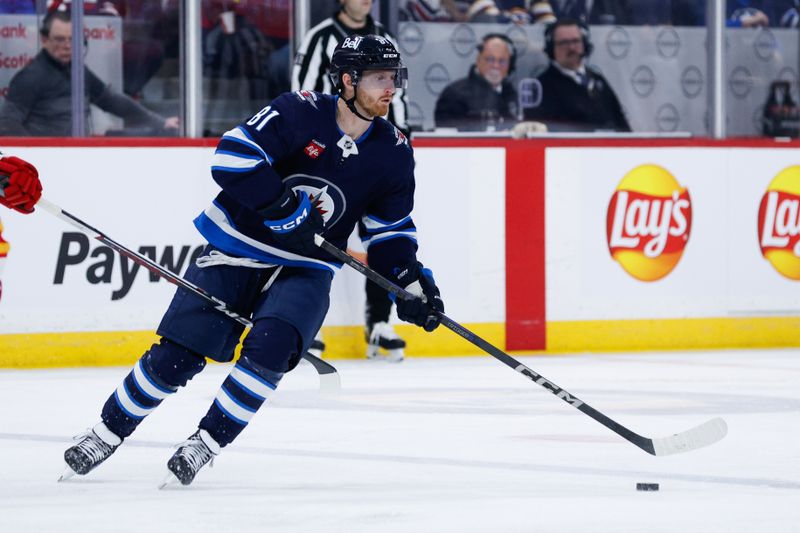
point(537, 245)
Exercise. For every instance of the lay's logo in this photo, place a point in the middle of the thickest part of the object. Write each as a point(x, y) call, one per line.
point(648, 222)
point(779, 223)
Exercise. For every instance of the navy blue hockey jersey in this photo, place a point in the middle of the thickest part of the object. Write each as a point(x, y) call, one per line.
point(296, 140)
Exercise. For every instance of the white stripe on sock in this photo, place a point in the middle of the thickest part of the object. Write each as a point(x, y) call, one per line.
point(232, 407)
point(144, 384)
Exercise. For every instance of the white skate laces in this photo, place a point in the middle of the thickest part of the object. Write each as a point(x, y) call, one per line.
point(94, 446)
point(192, 455)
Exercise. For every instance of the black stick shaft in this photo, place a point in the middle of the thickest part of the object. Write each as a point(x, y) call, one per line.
point(642, 442)
point(321, 366)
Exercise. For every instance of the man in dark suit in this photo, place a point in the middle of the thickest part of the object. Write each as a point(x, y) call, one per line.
point(574, 96)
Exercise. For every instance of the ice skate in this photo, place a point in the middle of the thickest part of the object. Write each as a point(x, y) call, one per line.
point(317, 346)
point(191, 456)
point(94, 447)
point(384, 344)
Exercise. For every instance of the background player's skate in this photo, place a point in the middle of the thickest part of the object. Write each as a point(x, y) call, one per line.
point(384, 343)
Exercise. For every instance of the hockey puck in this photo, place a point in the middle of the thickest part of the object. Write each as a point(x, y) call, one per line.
point(647, 486)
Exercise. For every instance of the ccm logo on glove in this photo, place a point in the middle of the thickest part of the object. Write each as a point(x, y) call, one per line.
point(294, 222)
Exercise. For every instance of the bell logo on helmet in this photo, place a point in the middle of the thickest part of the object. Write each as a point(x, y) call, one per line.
point(352, 42)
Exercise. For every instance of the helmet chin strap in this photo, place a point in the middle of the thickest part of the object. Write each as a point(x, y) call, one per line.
point(351, 105)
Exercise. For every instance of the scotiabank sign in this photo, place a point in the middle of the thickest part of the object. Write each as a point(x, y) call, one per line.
point(648, 222)
point(779, 223)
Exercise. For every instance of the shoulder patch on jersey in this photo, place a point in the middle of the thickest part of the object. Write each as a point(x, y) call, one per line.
point(400, 136)
point(298, 59)
point(305, 95)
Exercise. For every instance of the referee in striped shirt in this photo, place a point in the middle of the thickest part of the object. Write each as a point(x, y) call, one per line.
point(310, 70)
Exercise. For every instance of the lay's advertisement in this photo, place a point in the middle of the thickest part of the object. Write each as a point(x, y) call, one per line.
point(672, 247)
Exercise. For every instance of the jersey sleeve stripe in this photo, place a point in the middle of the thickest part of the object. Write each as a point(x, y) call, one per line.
point(374, 224)
point(234, 163)
point(407, 234)
point(239, 135)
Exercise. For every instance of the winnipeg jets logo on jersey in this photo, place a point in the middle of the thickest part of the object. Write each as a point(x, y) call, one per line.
point(326, 197)
point(307, 96)
point(352, 42)
point(348, 146)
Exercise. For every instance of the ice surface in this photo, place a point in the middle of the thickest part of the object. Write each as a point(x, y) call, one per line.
point(428, 445)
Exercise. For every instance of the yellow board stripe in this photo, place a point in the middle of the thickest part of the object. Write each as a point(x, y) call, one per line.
point(76, 349)
point(673, 334)
point(50, 350)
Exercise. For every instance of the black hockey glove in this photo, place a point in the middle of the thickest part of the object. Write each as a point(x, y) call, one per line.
point(293, 222)
point(418, 280)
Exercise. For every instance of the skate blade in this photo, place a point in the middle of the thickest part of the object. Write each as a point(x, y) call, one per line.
point(392, 356)
point(169, 480)
point(68, 473)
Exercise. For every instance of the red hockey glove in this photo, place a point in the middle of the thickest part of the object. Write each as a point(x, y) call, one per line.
point(20, 187)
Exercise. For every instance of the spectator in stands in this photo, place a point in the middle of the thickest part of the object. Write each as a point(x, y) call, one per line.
point(235, 49)
point(17, 7)
point(311, 63)
point(574, 97)
point(39, 100)
point(486, 11)
point(739, 13)
point(593, 11)
point(485, 97)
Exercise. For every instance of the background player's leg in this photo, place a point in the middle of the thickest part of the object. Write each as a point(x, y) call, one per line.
point(378, 332)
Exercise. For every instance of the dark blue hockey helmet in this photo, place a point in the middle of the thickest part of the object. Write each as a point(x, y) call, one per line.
point(358, 53)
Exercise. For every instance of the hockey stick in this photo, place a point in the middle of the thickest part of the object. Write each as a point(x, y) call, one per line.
point(696, 437)
point(328, 376)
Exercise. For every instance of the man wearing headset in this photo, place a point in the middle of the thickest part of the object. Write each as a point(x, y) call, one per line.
point(574, 96)
point(485, 98)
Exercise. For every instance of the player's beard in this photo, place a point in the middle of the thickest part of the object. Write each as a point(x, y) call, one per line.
point(375, 107)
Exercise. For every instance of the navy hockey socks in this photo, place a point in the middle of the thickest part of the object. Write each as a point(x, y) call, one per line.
point(242, 393)
point(156, 375)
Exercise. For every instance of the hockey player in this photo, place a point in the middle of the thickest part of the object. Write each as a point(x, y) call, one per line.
point(310, 72)
point(308, 163)
point(20, 189)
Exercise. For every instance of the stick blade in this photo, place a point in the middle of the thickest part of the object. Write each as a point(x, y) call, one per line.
point(329, 382)
point(697, 437)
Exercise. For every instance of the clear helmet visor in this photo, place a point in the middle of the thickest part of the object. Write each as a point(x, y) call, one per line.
point(396, 78)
